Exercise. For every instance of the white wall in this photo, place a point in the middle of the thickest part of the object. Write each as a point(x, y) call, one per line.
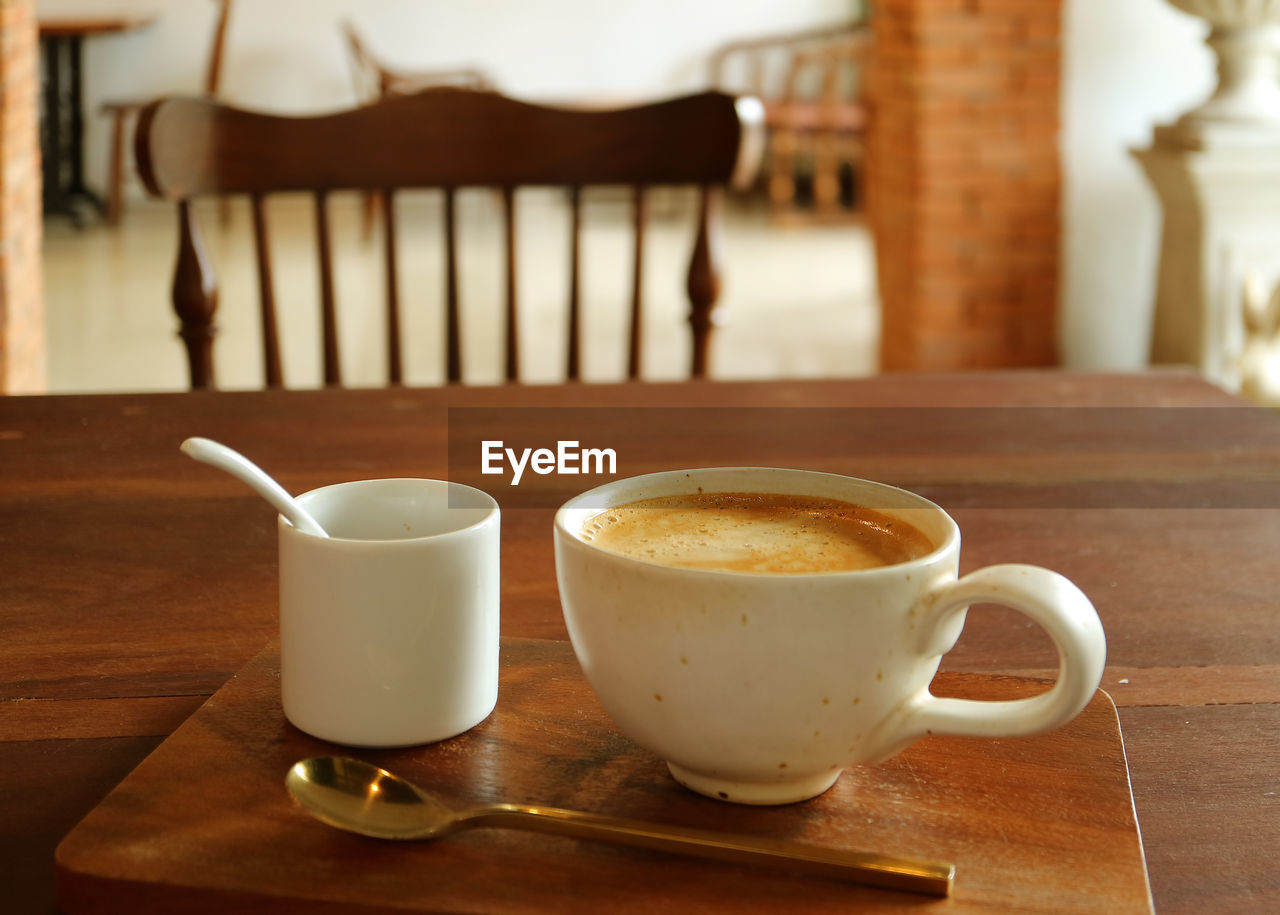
point(1127, 66)
point(288, 55)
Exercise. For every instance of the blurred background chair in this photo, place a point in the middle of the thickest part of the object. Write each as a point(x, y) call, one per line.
point(122, 110)
point(812, 87)
point(374, 80)
point(443, 138)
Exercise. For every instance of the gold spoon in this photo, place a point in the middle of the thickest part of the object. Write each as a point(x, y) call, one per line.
point(364, 799)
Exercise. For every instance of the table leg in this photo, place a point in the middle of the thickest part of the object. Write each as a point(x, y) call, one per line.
point(75, 183)
point(62, 146)
point(51, 126)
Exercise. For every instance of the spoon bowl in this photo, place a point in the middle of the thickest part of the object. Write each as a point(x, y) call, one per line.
point(362, 798)
point(355, 796)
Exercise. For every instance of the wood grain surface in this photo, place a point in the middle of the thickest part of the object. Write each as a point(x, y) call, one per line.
point(1036, 825)
point(134, 582)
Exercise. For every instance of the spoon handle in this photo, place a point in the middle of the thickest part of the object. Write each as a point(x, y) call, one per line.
point(216, 454)
point(918, 876)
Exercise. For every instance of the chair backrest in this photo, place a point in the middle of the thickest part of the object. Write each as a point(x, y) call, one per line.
point(765, 66)
point(447, 139)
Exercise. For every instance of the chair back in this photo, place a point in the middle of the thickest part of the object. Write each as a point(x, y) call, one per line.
point(442, 138)
point(814, 87)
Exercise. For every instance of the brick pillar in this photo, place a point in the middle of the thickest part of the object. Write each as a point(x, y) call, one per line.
point(963, 181)
point(22, 349)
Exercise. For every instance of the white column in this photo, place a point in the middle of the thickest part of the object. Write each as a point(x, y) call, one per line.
point(1217, 174)
point(1221, 227)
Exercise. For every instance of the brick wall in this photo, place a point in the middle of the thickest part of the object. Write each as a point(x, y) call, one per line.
point(963, 181)
point(22, 352)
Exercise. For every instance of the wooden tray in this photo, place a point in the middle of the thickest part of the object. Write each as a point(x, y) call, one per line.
point(204, 824)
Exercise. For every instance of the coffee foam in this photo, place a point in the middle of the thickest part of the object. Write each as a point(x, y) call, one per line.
point(764, 533)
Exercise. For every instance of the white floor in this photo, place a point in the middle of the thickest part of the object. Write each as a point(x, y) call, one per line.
point(798, 301)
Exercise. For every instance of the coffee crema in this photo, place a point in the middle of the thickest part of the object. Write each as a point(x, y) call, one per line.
point(765, 533)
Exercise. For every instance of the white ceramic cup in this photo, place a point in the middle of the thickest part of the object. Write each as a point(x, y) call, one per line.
point(762, 688)
point(389, 627)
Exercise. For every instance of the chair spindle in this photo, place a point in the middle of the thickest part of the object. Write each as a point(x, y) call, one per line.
point(195, 298)
point(453, 331)
point(271, 367)
point(395, 366)
point(328, 308)
point(704, 280)
point(574, 368)
point(639, 214)
point(513, 322)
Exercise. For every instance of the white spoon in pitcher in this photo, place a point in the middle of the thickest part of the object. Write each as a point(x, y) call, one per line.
point(233, 462)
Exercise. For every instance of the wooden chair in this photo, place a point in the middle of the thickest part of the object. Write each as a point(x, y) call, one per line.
point(815, 111)
point(443, 138)
point(121, 111)
point(373, 80)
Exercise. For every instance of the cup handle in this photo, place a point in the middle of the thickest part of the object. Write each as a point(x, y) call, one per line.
point(1049, 599)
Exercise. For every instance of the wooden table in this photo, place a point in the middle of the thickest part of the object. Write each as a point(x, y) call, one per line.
point(133, 581)
point(62, 120)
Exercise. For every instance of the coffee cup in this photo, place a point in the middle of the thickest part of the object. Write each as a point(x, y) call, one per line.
point(758, 675)
point(389, 626)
